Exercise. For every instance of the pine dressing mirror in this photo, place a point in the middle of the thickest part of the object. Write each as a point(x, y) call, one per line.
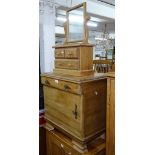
point(76, 26)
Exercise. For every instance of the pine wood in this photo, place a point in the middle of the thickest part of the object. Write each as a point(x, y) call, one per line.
point(74, 59)
point(113, 68)
point(110, 120)
point(61, 84)
point(85, 28)
point(59, 144)
point(59, 53)
point(73, 72)
point(42, 141)
point(72, 53)
point(67, 64)
point(76, 105)
point(74, 79)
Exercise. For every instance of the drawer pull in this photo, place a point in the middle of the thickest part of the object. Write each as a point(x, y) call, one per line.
point(75, 113)
point(66, 87)
point(47, 82)
point(59, 54)
point(62, 145)
point(51, 129)
point(96, 93)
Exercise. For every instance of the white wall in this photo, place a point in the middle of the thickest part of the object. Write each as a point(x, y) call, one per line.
point(47, 38)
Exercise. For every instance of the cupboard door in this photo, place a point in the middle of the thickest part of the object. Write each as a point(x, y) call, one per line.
point(64, 109)
point(110, 129)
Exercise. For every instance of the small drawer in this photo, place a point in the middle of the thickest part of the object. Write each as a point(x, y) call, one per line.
point(63, 85)
point(72, 53)
point(67, 64)
point(59, 53)
point(60, 142)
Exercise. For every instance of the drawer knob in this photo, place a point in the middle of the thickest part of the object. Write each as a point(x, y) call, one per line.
point(66, 87)
point(96, 93)
point(62, 145)
point(47, 82)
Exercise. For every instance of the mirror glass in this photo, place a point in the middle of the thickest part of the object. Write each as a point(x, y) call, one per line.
point(76, 24)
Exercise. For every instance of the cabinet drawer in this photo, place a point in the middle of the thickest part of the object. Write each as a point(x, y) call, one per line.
point(59, 53)
point(63, 85)
point(72, 53)
point(67, 64)
point(61, 144)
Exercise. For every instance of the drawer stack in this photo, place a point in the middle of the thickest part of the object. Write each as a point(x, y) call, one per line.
point(74, 59)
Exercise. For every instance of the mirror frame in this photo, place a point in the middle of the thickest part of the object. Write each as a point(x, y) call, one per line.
point(85, 28)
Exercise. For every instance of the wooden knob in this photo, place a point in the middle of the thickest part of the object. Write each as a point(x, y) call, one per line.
point(62, 145)
point(95, 92)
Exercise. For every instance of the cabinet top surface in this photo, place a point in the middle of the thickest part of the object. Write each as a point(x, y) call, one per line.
point(72, 45)
point(76, 79)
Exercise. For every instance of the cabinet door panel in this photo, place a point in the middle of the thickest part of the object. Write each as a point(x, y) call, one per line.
point(64, 109)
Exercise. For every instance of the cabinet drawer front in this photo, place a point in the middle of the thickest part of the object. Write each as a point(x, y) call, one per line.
point(64, 109)
point(59, 53)
point(61, 144)
point(72, 53)
point(67, 64)
point(63, 85)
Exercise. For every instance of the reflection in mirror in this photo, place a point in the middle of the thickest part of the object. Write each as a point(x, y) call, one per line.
point(76, 24)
